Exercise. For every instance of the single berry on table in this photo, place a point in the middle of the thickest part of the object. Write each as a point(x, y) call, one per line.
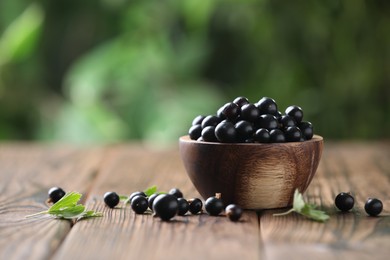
point(151, 200)
point(373, 207)
point(111, 199)
point(55, 194)
point(165, 206)
point(176, 192)
point(139, 204)
point(136, 193)
point(213, 206)
point(195, 205)
point(344, 201)
point(183, 206)
point(233, 212)
point(295, 112)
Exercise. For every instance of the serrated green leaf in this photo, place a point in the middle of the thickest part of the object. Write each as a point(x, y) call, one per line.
point(150, 191)
point(69, 200)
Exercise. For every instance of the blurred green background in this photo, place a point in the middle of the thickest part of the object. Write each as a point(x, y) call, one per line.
point(116, 70)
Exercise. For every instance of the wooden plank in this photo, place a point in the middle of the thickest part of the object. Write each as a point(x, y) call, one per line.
point(364, 170)
point(121, 234)
point(27, 171)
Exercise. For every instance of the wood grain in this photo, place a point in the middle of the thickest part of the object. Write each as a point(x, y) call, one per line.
point(361, 169)
point(27, 172)
point(121, 234)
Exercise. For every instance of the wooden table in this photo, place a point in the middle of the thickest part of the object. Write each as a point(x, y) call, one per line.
point(27, 171)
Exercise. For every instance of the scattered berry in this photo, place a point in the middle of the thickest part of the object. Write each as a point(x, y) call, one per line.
point(165, 206)
point(373, 207)
point(55, 194)
point(233, 212)
point(176, 192)
point(214, 206)
point(183, 206)
point(132, 195)
point(195, 205)
point(111, 199)
point(139, 204)
point(151, 200)
point(344, 201)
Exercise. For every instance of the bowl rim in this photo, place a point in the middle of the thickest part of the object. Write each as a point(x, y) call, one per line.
point(187, 139)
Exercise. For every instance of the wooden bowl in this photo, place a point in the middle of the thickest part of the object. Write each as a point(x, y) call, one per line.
point(251, 175)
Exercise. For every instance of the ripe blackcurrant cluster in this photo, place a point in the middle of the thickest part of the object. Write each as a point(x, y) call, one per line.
point(167, 205)
point(345, 201)
point(240, 121)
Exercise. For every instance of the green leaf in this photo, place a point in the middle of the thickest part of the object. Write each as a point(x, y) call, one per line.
point(305, 209)
point(69, 200)
point(151, 190)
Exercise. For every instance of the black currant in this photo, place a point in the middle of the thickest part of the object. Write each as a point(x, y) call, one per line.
point(373, 207)
point(295, 112)
point(225, 132)
point(176, 192)
point(229, 111)
point(55, 194)
point(267, 121)
point(249, 112)
point(344, 201)
point(244, 130)
point(183, 206)
point(210, 121)
point(262, 135)
point(195, 205)
point(286, 121)
point(208, 134)
point(151, 200)
point(165, 206)
point(267, 105)
point(292, 134)
point(198, 120)
point(240, 101)
point(111, 199)
point(306, 129)
point(139, 204)
point(233, 212)
point(213, 206)
point(195, 132)
point(132, 195)
point(277, 136)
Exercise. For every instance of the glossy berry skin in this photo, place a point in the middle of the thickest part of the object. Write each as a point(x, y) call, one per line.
point(307, 130)
point(286, 121)
point(344, 201)
point(292, 134)
point(373, 207)
point(267, 121)
point(229, 111)
point(262, 135)
point(249, 112)
point(213, 206)
point(225, 132)
point(132, 195)
point(241, 101)
point(151, 200)
point(139, 204)
point(198, 120)
point(244, 130)
point(267, 105)
point(165, 206)
point(233, 212)
point(55, 194)
point(210, 121)
point(111, 199)
point(195, 132)
point(208, 134)
point(195, 205)
point(176, 192)
point(277, 136)
point(183, 206)
point(295, 112)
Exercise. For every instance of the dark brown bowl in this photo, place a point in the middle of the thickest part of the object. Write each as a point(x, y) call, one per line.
point(252, 175)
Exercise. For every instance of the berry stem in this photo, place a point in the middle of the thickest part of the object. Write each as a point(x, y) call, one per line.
point(37, 214)
point(284, 213)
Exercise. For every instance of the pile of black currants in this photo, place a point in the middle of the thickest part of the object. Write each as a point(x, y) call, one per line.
point(167, 205)
point(243, 122)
